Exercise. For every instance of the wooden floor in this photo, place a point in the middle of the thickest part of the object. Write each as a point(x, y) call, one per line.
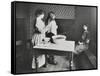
point(62, 64)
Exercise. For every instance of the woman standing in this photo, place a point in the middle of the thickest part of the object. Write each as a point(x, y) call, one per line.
point(51, 29)
point(38, 36)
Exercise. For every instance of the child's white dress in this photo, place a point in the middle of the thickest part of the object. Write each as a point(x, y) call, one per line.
point(52, 27)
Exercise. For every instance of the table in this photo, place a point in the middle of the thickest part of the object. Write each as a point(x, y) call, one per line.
point(66, 47)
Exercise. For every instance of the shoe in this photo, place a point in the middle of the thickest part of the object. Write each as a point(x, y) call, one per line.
point(44, 66)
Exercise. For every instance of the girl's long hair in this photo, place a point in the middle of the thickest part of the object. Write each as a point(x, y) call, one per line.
point(49, 18)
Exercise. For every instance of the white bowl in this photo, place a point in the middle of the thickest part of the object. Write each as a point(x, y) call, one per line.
point(58, 39)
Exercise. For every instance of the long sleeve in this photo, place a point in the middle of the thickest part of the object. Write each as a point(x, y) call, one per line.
point(40, 26)
point(47, 28)
point(86, 37)
point(54, 27)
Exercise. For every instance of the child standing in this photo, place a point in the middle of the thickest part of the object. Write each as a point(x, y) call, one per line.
point(51, 30)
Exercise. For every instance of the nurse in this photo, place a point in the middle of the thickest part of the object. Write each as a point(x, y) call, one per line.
point(38, 36)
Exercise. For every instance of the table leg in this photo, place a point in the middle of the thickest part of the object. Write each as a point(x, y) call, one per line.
point(36, 62)
point(70, 60)
point(45, 61)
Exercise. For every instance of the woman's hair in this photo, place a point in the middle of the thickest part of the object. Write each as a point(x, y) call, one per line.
point(49, 18)
point(39, 12)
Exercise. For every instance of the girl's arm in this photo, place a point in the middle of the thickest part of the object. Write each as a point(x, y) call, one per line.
point(40, 27)
point(54, 28)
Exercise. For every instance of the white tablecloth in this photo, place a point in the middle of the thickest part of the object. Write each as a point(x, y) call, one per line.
point(64, 46)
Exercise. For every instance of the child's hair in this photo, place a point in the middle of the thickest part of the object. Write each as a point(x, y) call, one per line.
point(49, 16)
point(51, 12)
point(39, 12)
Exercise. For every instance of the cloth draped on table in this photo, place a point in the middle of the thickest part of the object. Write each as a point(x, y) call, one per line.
point(80, 48)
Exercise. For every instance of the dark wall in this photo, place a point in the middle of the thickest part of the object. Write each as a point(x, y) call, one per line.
point(86, 15)
point(82, 17)
point(73, 27)
point(20, 29)
point(65, 26)
point(22, 21)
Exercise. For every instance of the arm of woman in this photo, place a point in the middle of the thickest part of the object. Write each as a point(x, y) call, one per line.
point(40, 27)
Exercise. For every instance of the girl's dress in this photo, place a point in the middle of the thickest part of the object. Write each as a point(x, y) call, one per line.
point(52, 27)
point(51, 30)
point(85, 42)
point(81, 58)
point(37, 38)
